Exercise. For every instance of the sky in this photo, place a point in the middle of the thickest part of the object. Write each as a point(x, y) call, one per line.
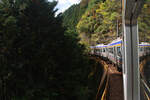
point(65, 4)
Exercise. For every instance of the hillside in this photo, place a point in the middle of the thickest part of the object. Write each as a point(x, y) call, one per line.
point(99, 24)
point(72, 15)
point(100, 21)
point(95, 21)
point(144, 23)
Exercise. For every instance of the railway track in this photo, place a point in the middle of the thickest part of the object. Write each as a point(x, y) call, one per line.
point(111, 84)
point(144, 86)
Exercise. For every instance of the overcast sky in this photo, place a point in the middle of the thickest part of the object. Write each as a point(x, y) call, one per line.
point(65, 4)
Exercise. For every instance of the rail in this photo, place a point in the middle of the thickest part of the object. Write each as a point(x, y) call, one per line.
point(145, 87)
point(103, 82)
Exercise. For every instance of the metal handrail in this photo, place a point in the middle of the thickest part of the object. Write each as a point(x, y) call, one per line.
point(146, 87)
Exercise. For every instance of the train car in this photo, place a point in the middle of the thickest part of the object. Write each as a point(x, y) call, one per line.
point(114, 52)
point(99, 50)
point(102, 50)
point(92, 50)
point(144, 49)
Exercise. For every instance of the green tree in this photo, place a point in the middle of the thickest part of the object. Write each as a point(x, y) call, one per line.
point(72, 15)
point(144, 22)
point(98, 25)
point(39, 59)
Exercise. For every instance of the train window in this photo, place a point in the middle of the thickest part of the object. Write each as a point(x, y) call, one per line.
point(106, 49)
point(111, 50)
point(119, 51)
point(114, 50)
point(100, 50)
point(144, 54)
point(103, 49)
point(140, 49)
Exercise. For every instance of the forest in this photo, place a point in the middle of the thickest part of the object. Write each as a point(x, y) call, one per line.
point(40, 58)
point(101, 22)
point(45, 57)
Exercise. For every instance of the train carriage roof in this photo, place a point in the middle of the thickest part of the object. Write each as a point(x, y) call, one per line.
point(100, 46)
point(116, 42)
point(144, 44)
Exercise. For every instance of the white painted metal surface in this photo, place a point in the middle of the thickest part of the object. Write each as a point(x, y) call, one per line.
point(131, 75)
point(131, 64)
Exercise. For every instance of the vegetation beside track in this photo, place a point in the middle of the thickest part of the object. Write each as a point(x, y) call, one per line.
point(39, 58)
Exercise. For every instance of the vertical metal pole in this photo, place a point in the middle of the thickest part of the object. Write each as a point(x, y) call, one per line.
point(117, 29)
point(131, 63)
point(131, 74)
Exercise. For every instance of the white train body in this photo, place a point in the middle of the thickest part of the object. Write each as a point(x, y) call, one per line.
point(113, 51)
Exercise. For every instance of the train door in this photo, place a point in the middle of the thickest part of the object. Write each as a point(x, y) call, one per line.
point(115, 54)
point(119, 57)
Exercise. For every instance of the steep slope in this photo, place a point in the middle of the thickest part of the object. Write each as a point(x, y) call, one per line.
point(144, 23)
point(72, 15)
point(99, 23)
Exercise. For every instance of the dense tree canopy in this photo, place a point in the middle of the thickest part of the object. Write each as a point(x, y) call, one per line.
point(39, 59)
point(100, 21)
point(72, 15)
point(99, 24)
point(144, 23)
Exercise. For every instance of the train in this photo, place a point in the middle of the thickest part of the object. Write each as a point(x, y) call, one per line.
point(114, 51)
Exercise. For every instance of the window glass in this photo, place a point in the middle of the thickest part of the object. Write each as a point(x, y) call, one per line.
point(103, 49)
point(119, 51)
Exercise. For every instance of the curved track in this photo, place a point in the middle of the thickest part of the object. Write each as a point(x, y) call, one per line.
point(111, 84)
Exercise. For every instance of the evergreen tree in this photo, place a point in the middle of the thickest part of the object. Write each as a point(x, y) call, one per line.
point(99, 24)
point(39, 59)
point(144, 22)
